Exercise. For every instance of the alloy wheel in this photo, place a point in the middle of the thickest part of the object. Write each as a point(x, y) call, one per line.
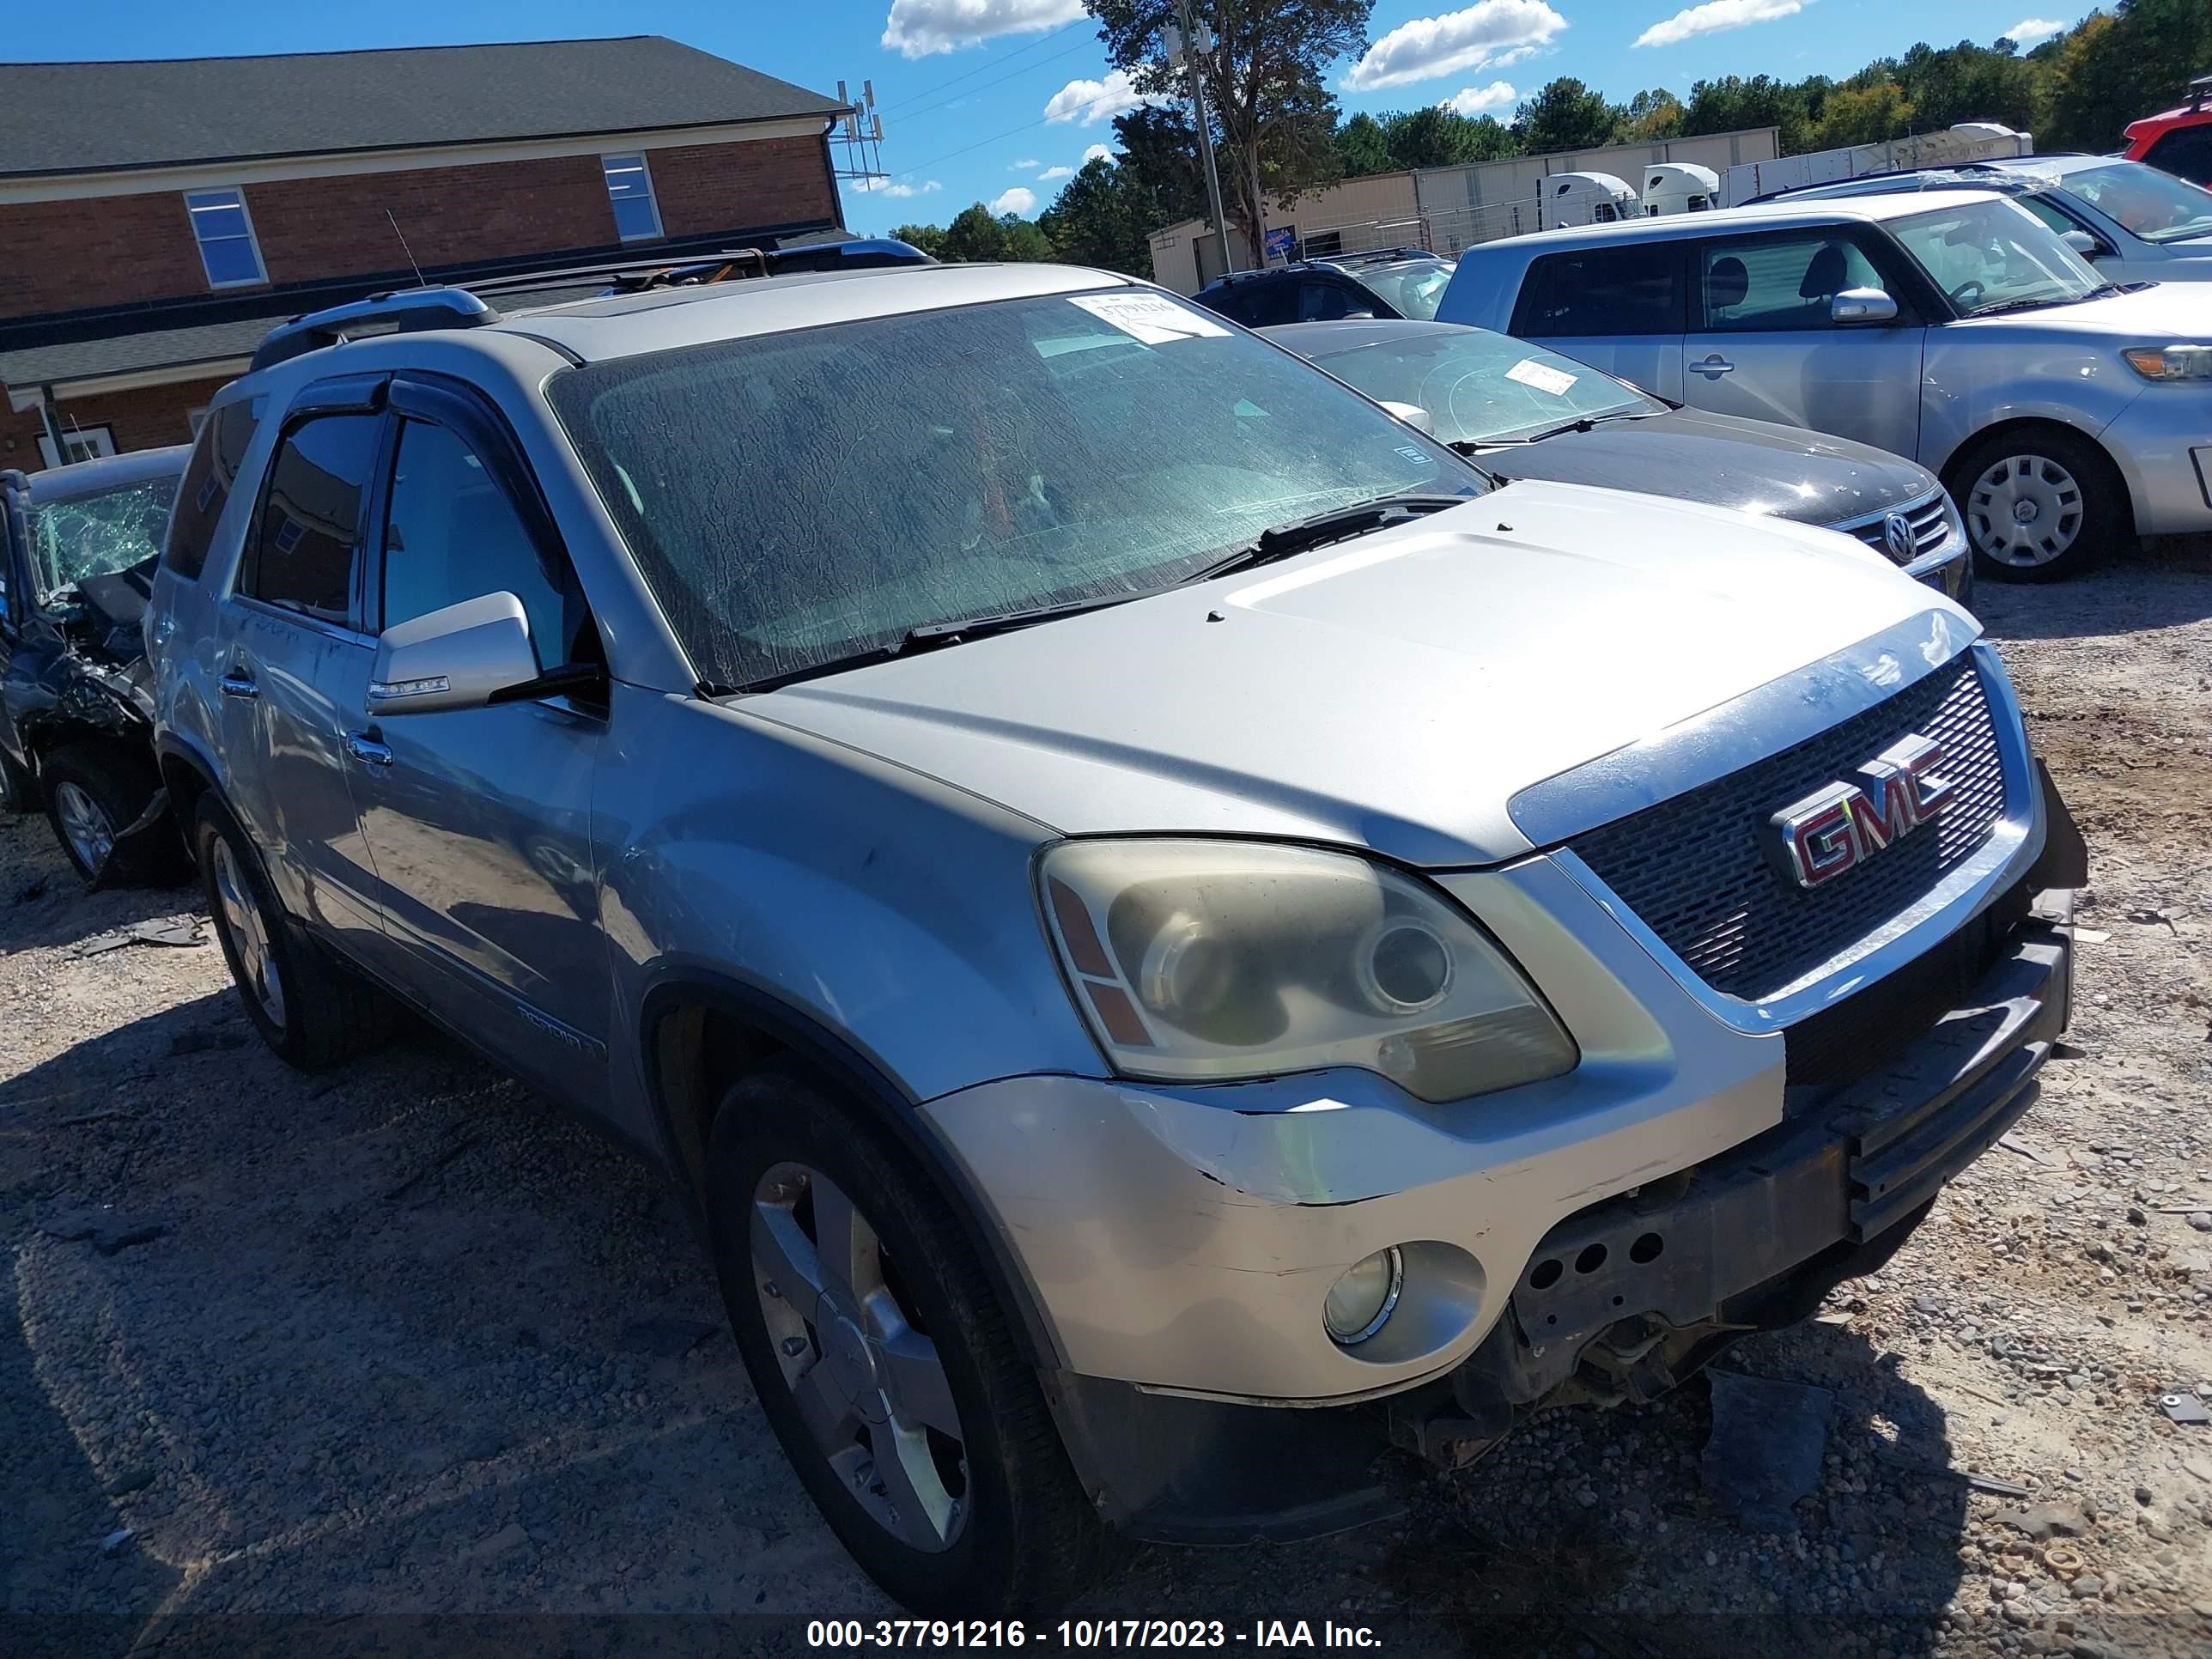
point(856, 1355)
point(84, 825)
point(239, 916)
point(2025, 511)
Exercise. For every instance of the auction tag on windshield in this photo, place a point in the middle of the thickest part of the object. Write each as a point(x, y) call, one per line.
point(1149, 317)
point(1529, 371)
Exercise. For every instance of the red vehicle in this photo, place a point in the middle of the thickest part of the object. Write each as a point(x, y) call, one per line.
point(2180, 140)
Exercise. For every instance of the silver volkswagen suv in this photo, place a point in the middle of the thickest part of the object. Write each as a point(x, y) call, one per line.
point(1130, 891)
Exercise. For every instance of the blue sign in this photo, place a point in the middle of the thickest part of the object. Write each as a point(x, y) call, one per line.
point(1280, 242)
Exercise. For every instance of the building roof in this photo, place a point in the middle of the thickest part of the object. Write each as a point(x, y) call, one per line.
point(81, 118)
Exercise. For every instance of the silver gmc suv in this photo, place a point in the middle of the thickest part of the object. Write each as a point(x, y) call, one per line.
point(1131, 890)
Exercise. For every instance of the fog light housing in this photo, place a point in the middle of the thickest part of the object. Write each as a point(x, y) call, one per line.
point(1361, 1303)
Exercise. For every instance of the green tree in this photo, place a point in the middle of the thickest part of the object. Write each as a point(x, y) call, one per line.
point(1439, 137)
point(1654, 115)
point(2119, 66)
point(1023, 240)
point(1863, 115)
point(1363, 148)
point(930, 239)
point(1158, 161)
point(1565, 115)
point(974, 236)
point(1735, 101)
point(1276, 121)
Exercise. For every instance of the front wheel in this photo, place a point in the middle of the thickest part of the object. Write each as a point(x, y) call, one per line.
point(95, 792)
point(883, 1364)
point(2039, 504)
point(309, 1008)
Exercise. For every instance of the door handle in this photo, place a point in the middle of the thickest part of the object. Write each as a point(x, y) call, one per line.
point(239, 684)
point(364, 747)
point(1713, 368)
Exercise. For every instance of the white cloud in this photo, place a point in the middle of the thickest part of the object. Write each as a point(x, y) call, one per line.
point(918, 28)
point(1098, 153)
point(1489, 32)
point(889, 187)
point(1714, 16)
point(1472, 100)
point(1029, 166)
point(2034, 31)
point(1017, 200)
point(1051, 173)
point(1093, 101)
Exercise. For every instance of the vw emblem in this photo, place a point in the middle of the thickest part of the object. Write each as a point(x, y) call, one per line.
point(1897, 536)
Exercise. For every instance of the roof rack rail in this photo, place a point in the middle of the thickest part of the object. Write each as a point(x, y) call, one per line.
point(404, 311)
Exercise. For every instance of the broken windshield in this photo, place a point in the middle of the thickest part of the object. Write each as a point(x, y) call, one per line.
point(98, 535)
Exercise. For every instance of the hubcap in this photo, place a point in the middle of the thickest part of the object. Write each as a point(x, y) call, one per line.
point(866, 1377)
point(246, 934)
point(2025, 510)
point(84, 825)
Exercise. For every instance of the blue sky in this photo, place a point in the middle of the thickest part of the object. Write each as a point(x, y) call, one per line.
point(988, 100)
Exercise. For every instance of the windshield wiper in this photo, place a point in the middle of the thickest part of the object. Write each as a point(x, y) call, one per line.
point(1337, 524)
point(1580, 424)
point(2004, 306)
point(927, 636)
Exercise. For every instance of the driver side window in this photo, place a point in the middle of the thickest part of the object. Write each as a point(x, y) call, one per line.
point(451, 534)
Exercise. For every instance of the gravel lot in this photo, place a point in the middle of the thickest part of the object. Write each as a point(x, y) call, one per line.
point(361, 1363)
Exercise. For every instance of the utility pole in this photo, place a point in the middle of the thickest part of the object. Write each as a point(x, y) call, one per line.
point(1189, 44)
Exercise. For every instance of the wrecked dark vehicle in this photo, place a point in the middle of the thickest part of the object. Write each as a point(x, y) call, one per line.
point(76, 716)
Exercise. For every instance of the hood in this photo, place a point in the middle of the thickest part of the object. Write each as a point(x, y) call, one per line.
point(1392, 692)
point(1755, 466)
point(2179, 310)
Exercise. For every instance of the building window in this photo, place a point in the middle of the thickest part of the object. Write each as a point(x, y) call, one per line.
point(85, 443)
point(630, 187)
point(226, 237)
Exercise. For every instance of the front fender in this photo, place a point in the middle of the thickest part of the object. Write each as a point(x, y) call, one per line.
point(881, 906)
point(1966, 389)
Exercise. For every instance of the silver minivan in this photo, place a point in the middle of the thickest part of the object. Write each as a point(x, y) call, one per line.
point(2063, 410)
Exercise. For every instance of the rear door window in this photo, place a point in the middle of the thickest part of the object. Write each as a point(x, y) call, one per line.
point(306, 546)
point(2187, 153)
point(1325, 302)
point(1603, 291)
point(208, 478)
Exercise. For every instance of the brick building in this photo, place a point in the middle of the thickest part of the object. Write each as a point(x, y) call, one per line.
point(156, 218)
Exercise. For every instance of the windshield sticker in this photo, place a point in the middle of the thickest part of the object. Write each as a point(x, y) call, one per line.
point(1529, 371)
point(1150, 317)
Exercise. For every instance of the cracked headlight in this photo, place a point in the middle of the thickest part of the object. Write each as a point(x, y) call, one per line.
point(1201, 961)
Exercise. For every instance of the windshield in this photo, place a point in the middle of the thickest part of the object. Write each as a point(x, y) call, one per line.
point(1480, 388)
point(2156, 206)
point(98, 535)
point(1992, 254)
point(802, 498)
point(1413, 290)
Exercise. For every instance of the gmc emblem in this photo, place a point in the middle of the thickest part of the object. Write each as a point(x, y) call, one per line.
point(1841, 825)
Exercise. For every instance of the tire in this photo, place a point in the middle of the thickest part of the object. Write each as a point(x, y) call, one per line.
point(93, 792)
point(320, 1013)
point(2040, 504)
point(988, 1521)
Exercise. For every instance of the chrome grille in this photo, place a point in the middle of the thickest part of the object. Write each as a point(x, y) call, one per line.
point(1926, 517)
point(1695, 868)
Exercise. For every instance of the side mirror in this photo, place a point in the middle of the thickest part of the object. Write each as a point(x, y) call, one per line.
point(2085, 244)
point(1413, 415)
point(461, 657)
point(1862, 305)
point(1359, 316)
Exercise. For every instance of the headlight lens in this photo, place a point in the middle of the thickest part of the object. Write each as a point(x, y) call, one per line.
point(1201, 960)
point(2173, 363)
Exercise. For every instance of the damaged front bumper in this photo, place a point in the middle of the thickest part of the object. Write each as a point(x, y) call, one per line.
point(1621, 1301)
